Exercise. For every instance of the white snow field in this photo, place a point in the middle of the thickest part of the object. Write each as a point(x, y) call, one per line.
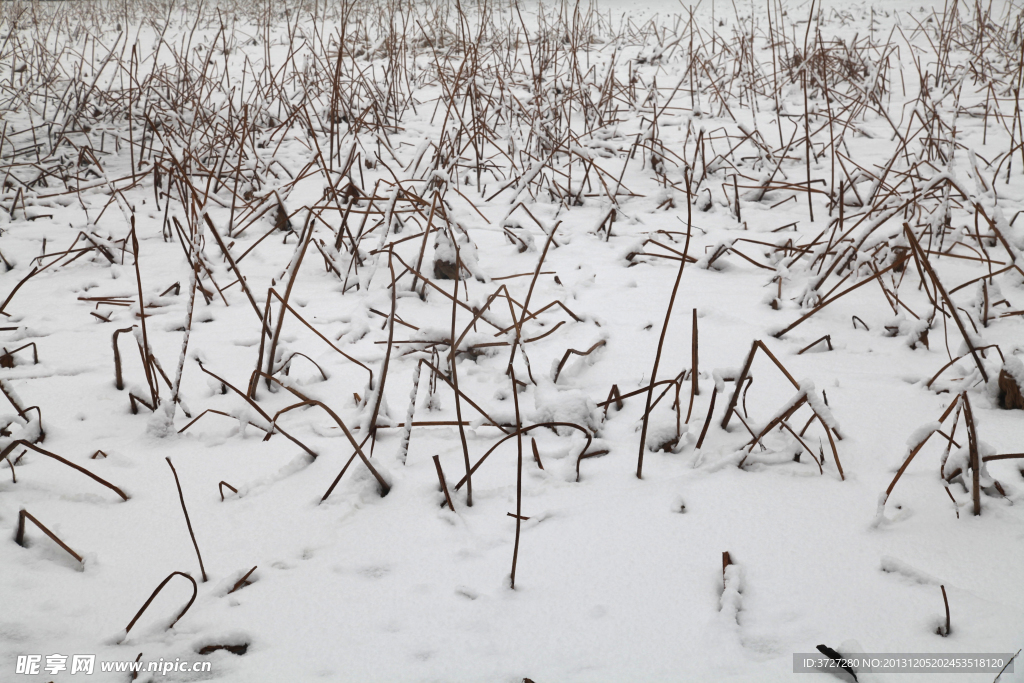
point(711, 316)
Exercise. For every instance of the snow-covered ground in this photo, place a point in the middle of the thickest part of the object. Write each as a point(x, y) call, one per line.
point(566, 161)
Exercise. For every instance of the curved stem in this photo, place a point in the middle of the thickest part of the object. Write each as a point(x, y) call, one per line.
point(195, 591)
point(664, 331)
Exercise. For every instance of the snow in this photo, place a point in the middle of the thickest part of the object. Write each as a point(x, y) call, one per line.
point(618, 576)
point(1014, 367)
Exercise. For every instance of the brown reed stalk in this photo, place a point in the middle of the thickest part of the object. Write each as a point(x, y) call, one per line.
point(195, 592)
point(146, 353)
point(917, 447)
point(519, 475)
point(923, 259)
point(443, 483)
point(387, 353)
point(242, 582)
point(21, 442)
point(188, 522)
point(330, 489)
point(945, 601)
point(975, 460)
point(19, 537)
point(565, 357)
point(453, 366)
point(664, 329)
point(300, 252)
point(220, 487)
